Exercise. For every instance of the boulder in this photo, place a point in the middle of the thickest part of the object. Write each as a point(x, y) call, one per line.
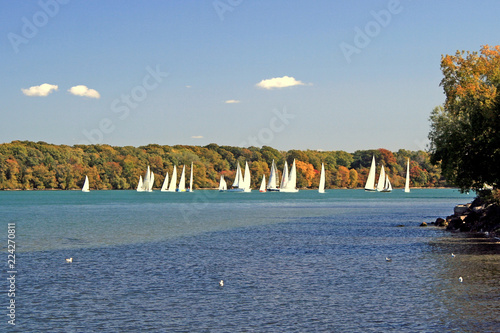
point(460, 209)
point(440, 222)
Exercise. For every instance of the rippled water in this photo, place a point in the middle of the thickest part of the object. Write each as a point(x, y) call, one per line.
point(301, 262)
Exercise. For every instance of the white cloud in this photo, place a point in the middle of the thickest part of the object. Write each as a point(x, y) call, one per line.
point(279, 82)
point(41, 90)
point(232, 101)
point(197, 137)
point(82, 90)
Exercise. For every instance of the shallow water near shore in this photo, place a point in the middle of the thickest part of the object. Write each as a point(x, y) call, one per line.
point(291, 262)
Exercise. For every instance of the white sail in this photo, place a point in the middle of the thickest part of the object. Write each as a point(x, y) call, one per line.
point(284, 176)
point(171, 187)
point(263, 184)
point(271, 185)
point(291, 183)
point(86, 187)
point(222, 184)
point(370, 181)
point(388, 186)
point(140, 185)
point(321, 188)
point(381, 179)
point(164, 187)
point(238, 178)
point(191, 179)
point(182, 181)
point(407, 182)
point(292, 180)
point(151, 182)
point(246, 179)
point(147, 177)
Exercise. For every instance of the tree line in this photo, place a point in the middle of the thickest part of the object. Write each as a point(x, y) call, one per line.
point(27, 165)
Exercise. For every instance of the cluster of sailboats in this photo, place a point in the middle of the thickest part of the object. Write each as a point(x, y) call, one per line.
point(241, 182)
point(383, 183)
point(146, 185)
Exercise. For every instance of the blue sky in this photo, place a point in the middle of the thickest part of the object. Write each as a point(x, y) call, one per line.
point(331, 75)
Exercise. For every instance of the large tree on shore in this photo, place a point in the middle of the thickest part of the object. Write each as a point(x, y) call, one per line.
point(465, 132)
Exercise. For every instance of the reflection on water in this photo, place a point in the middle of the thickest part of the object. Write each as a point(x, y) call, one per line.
point(471, 304)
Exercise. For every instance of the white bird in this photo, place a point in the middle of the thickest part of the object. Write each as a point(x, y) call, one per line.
point(221, 283)
point(69, 260)
point(453, 255)
point(460, 279)
point(388, 259)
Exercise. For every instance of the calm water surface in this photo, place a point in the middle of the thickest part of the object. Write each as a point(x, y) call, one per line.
point(291, 262)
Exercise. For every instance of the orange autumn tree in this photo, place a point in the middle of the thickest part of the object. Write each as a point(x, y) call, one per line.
point(465, 132)
point(307, 171)
point(342, 179)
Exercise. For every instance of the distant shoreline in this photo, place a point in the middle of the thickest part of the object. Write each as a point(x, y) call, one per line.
point(208, 189)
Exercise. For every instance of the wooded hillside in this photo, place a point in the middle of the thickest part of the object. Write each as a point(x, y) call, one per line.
point(38, 165)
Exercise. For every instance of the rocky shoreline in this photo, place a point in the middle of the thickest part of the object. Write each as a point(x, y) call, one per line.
point(477, 216)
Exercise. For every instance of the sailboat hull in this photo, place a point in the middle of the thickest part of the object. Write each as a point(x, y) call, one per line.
point(289, 190)
point(236, 190)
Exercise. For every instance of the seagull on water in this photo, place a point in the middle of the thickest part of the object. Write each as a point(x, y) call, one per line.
point(388, 259)
point(221, 283)
point(69, 260)
point(460, 279)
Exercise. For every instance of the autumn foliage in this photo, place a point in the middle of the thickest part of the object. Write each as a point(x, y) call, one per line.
point(30, 165)
point(465, 137)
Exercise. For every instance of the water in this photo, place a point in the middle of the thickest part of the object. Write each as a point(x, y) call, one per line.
point(291, 262)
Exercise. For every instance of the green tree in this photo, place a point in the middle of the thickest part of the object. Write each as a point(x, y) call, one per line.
point(464, 134)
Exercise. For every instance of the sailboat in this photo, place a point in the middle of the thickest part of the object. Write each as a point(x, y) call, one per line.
point(222, 184)
point(190, 189)
point(247, 179)
point(182, 181)
point(381, 179)
point(284, 176)
point(151, 181)
point(171, 186)
point(147, 180)
point(147, 184)
point(290, 182)
point(86, 187)
point(273, 176)
point(321, 188)
point(140, 185)
point(384, 184)
point(407, 182)
point(238, 180)
point(388, 186)
point(370, 181)
point(164, 187)
point(263, 184)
